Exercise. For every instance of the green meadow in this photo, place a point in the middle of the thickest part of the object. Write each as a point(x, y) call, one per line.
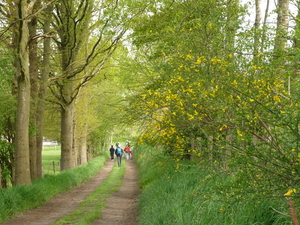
point(51, 159)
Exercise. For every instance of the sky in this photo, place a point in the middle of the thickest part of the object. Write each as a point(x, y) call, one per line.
point(272, 6)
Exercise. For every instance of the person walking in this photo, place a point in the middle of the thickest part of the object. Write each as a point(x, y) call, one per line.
point(119, 153)
point(112, 152)
point(131, 150)
point(127, 151)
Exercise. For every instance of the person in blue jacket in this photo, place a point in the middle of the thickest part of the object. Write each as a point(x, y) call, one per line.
point(119, 153)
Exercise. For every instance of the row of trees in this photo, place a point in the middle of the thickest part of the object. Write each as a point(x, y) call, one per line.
point(58, 59)
point(205, 84)
point(223, 91)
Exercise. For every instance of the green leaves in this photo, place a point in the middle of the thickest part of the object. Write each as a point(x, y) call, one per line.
point(215, 95)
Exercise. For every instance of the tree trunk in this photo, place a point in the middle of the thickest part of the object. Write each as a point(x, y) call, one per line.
point(83, 150)
point(75, 147)
point(257, 27)
point(82, 143)
point(89, 153)
point(297, 29)
point(22, 173)
point(263, 36)
point(67, 160)
point(282, 25)
point(67, 102)
point(33, 70)
point(227, 151)
point(42, 92)
point(257, 14)
point(14, 89)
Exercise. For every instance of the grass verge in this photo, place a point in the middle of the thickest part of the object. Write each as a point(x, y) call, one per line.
point(187, 193)
point(91, 208)
point(24, 197)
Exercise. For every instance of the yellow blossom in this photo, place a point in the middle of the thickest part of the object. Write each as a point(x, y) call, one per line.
point(234, 82)
point(239, 133)
point(276, 98)
point(189, 56)
point(290, 192)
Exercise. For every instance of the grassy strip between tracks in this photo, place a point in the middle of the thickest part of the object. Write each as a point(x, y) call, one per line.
point(90, 209)
point(19, 199)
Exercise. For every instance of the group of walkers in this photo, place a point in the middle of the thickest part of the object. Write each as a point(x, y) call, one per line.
point(118, 151)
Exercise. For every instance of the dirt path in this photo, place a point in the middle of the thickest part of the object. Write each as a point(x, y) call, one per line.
point(122, 205)
point(123, 202)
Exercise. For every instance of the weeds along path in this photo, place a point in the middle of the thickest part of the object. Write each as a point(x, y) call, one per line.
point(62, 204)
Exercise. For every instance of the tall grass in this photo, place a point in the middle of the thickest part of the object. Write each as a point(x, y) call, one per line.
point(193, 195)
point(21, 198)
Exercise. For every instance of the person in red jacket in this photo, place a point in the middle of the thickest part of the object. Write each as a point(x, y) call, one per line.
point(127, 150)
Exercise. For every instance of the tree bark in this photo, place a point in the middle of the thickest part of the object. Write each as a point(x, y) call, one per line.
point(33, 70)
point(263, 36)
point(22, 174)
point(43, 91)
point(14, 89)
point(67, 160)
point(75, 147)
point(257, 26)
point(297, 28)
point(282, 25)
point(83, 151)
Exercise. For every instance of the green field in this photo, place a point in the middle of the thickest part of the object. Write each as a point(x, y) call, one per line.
point(51, 159)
